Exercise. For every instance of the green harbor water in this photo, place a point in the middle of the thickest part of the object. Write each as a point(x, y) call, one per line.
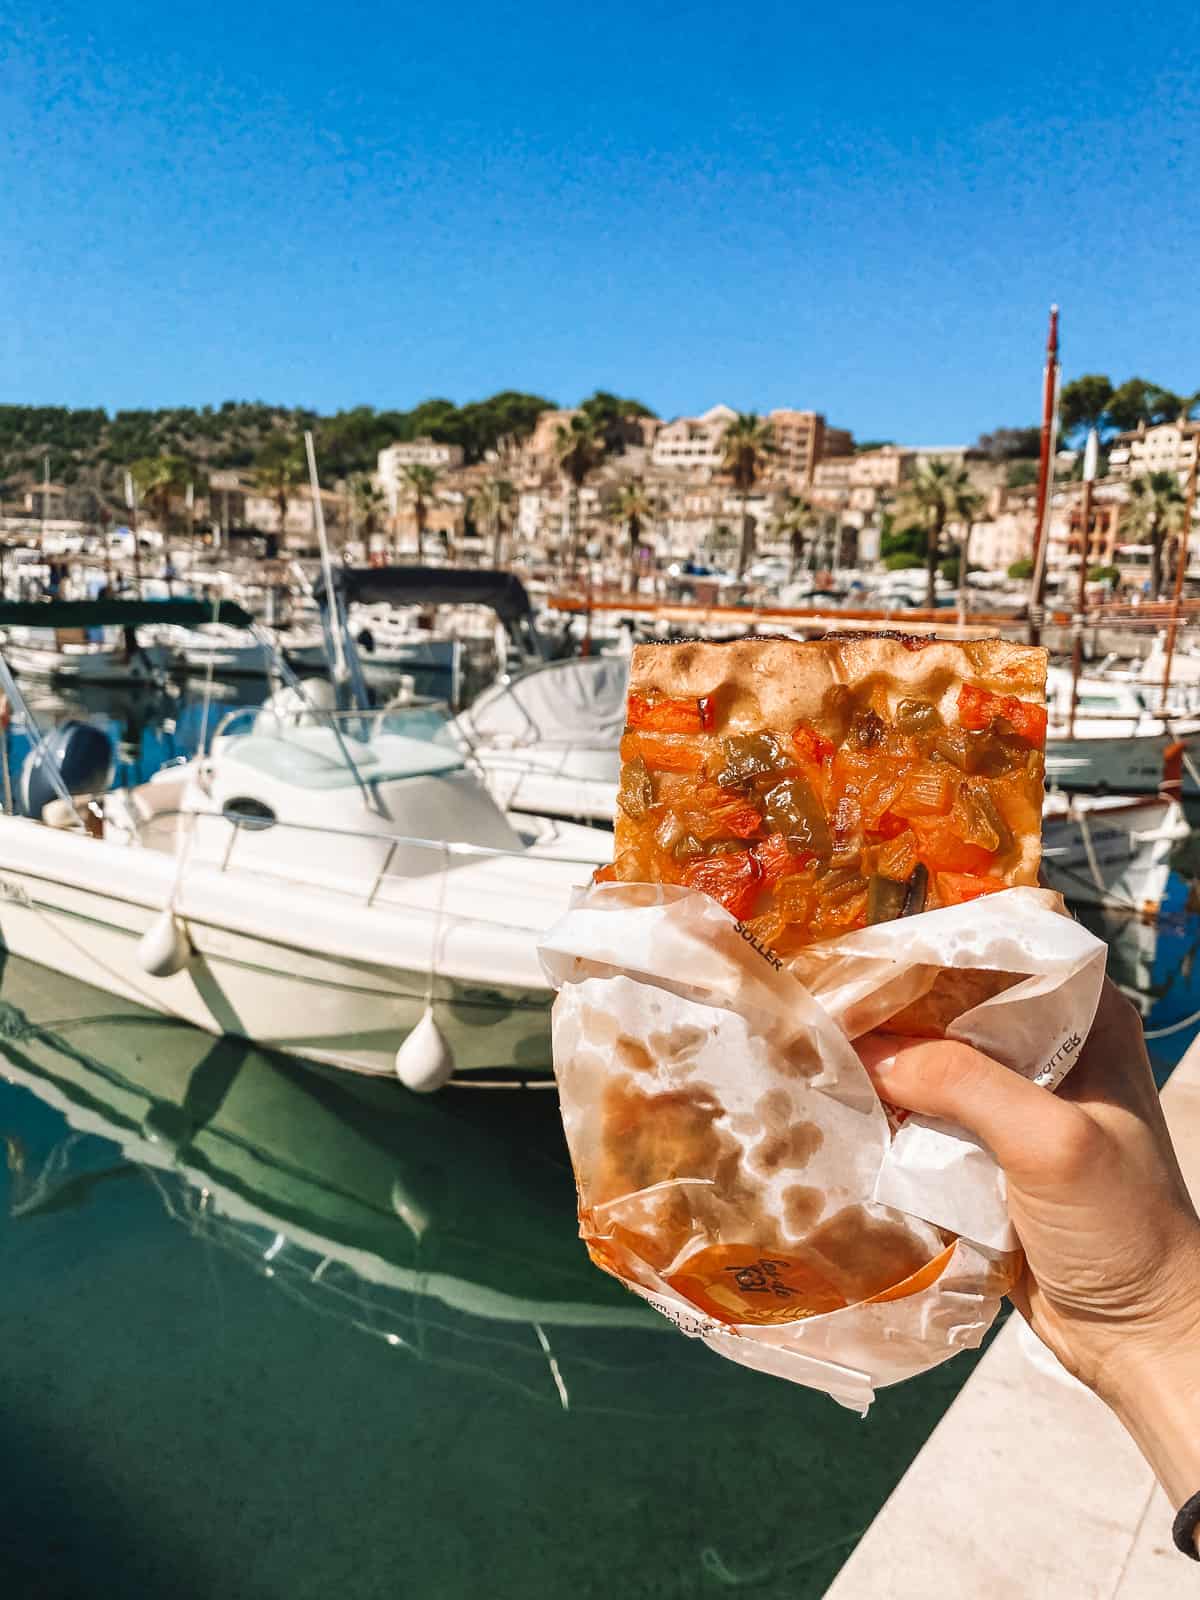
point(270, 1331)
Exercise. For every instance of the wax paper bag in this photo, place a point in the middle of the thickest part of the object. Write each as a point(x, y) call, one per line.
point(733, 1162)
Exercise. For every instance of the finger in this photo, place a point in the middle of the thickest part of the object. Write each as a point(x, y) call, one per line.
point(1031, 1133)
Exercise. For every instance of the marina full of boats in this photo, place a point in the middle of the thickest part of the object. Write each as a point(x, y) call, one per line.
point(356, 868)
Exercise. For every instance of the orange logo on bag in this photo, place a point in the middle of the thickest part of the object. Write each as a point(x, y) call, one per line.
point(744, 1283)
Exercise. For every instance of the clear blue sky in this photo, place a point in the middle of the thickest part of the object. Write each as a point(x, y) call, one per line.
point(865, 209)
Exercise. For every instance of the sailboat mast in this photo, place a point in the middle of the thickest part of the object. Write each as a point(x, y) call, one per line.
point(1045, 475)
point(1180, 567)
point(1091, 457)
point(339, 658)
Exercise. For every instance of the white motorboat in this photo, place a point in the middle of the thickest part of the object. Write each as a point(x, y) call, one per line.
point(1120, 745)
point(318, 889)
point(223, 651)
point(449, 629)
point(67, 655)
point(339, 885)
point(547, 740)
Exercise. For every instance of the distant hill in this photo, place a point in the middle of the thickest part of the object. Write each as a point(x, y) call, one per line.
point(91, 448)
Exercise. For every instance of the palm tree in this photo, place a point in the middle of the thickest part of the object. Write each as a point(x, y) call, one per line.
point(746, 443)
point(633, 507)
point(578, 448)
point(279, 469)
point(493, 502)
point(797, 520)
point(366, 505)
point(1156, 508)
point(419, 487)
point(939, 492)
point(721, 541)
point(158, 478)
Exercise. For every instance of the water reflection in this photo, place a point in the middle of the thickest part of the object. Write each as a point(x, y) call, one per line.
point(269, 1330)
point(337, 1189)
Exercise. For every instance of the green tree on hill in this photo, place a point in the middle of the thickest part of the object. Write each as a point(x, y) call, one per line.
point(1156, 508)
point(159, 479)
point(1138, 401)
point(279, 469)
point(1083, 404)
point(745, 445)
point(797, 523)
point(939, 492)
point(493, 506)
point(418, 484)
point(578, 449)
point(367, 505)
point(633, 508)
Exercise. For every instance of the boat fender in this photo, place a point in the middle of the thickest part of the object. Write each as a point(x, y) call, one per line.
point(425, 1061)
point(164, 949)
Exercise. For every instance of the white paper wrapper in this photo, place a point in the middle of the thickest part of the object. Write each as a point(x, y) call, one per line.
point(789, 1214)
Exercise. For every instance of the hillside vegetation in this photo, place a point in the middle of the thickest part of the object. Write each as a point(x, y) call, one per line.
point(92, 448)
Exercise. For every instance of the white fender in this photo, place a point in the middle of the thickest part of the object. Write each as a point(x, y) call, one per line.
point(425, 1062)
point(164, 949)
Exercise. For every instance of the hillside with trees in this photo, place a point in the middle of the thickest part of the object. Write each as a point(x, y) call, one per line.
point(91, 448)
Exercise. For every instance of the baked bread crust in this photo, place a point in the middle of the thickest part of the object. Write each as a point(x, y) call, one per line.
point(760, 683)
point(775, 685)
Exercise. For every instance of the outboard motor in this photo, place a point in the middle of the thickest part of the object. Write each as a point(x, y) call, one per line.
point(84, 758)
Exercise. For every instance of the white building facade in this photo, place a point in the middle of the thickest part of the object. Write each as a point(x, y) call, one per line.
point(390, 463)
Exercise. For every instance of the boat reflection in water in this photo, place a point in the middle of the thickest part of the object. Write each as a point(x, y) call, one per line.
point(445, 1228)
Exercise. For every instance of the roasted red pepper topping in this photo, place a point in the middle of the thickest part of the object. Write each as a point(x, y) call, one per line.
point(979, 708)
point(777, 860)
point(670, 716)
point(734, 879)
point(811, 745)
point(661, 755)
point(956, 887)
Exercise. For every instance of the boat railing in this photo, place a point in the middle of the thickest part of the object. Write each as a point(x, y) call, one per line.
point(450, 850)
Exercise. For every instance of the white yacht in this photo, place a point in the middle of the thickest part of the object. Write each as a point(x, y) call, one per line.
point(547, 740)
point(1120, 744)
point(75, 655)
point(340, 886)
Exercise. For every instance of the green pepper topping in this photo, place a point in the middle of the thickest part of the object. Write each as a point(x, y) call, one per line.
point(791, 808)
point(636, 793)
point(885, 898)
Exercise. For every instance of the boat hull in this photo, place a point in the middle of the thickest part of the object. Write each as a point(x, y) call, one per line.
point(1119, 765)
point(1111, 853)
point(317, 984)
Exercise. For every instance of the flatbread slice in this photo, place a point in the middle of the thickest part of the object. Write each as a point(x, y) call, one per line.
point(815, 786)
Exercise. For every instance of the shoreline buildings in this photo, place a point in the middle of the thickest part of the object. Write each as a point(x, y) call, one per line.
point(845, 497)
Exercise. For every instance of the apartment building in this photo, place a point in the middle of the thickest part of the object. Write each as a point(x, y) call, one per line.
point(425, 452)
point(693, 444)
point(1167, 447)
point(1004, 537)
point(802, 439)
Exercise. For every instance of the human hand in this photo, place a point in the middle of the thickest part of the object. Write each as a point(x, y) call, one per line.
point(1111, 1239)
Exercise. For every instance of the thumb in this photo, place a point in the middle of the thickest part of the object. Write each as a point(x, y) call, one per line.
point(1025, 1127)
